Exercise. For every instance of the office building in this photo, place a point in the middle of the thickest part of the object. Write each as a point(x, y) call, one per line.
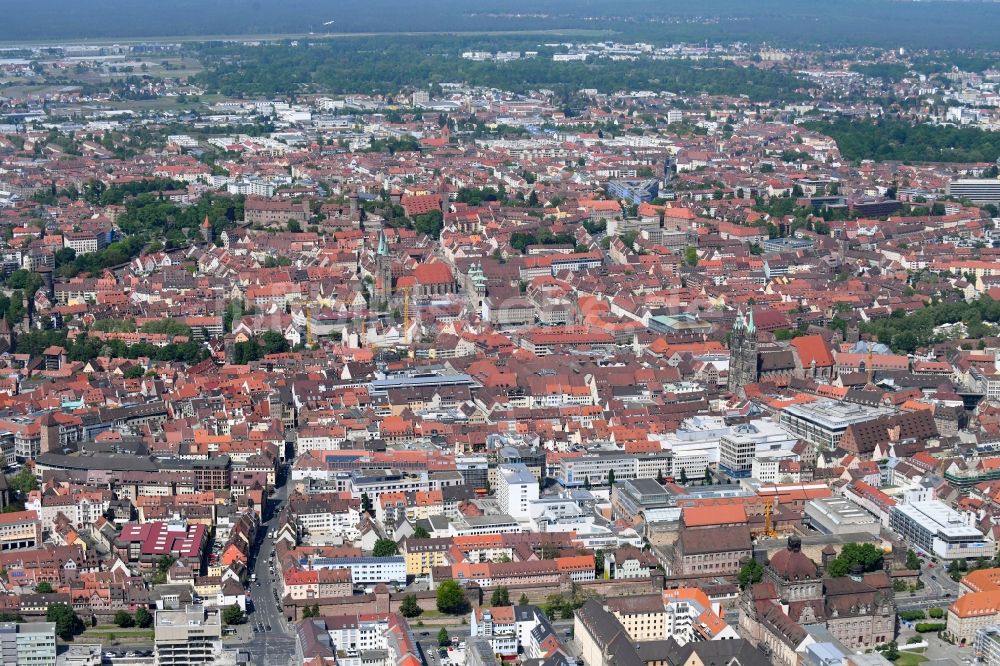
point(375, 483)
point(517, 489)
point(740, 446)
point(823, 422)
point(987, 645)
point(28, 643)
point(938, 530)
point(474, 471)
point(643, 499)
point(837, 516)
point(977, 190)
point(595, 468)
point(635, 191)
point(366, 570)
point(188, 637)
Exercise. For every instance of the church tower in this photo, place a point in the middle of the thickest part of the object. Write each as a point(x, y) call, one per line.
point(6, 335)
point(207, 233)
point(383, 268)
point(477, 281)
point(742, 353)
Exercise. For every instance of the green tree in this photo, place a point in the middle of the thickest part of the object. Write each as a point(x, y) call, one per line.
point(451, 598)
point(889, 139)
point(420, 532)
point(691, 256)
point(385, 548)
point(366, 503)
point(611, 478)
point(868, 556)
point(929, 627)
point(24, 481)
point(277, 261)
point(912, 561)
point(752, 572)
point(135, 372)
point(68, 623)
point(936, 613)
point(429, 223)
point(162, 567)
point(409, 607)
point(891, 651)
point(708, 476)
point(684, 477)
point(124, 620)
point(523, 600)
point(233, 615)
point(45, 587)
point(443, 638)
point(167, 327)
point(501, 597)
point(143, 618)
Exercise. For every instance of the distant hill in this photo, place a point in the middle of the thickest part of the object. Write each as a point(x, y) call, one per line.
point(936, 25)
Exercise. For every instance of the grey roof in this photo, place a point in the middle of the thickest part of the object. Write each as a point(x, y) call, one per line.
point(737, 652)
point(381, 385)
point(647, 487)
point(98, 461)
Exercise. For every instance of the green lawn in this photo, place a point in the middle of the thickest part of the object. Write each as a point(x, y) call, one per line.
point(910, 658)
point(104, 634)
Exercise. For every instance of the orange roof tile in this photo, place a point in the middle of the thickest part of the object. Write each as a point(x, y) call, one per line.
point(701, 516)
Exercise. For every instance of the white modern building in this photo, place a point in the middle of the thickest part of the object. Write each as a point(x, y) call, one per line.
point(695, 445)
point(375, 483)
point(977, 190)
point(517, 489)
point(838, 516)
point(28, 643)
point(188, 637)
point(740, 446)
point(357, 633)
point(558, 514)
point(987, 645)
point(823, 422)
point(366, 570)
point(766, 467)
point(595, 467)
point(938, 530)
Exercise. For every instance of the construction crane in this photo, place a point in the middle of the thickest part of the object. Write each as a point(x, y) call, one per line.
point(869, 364)
point(768, 526)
